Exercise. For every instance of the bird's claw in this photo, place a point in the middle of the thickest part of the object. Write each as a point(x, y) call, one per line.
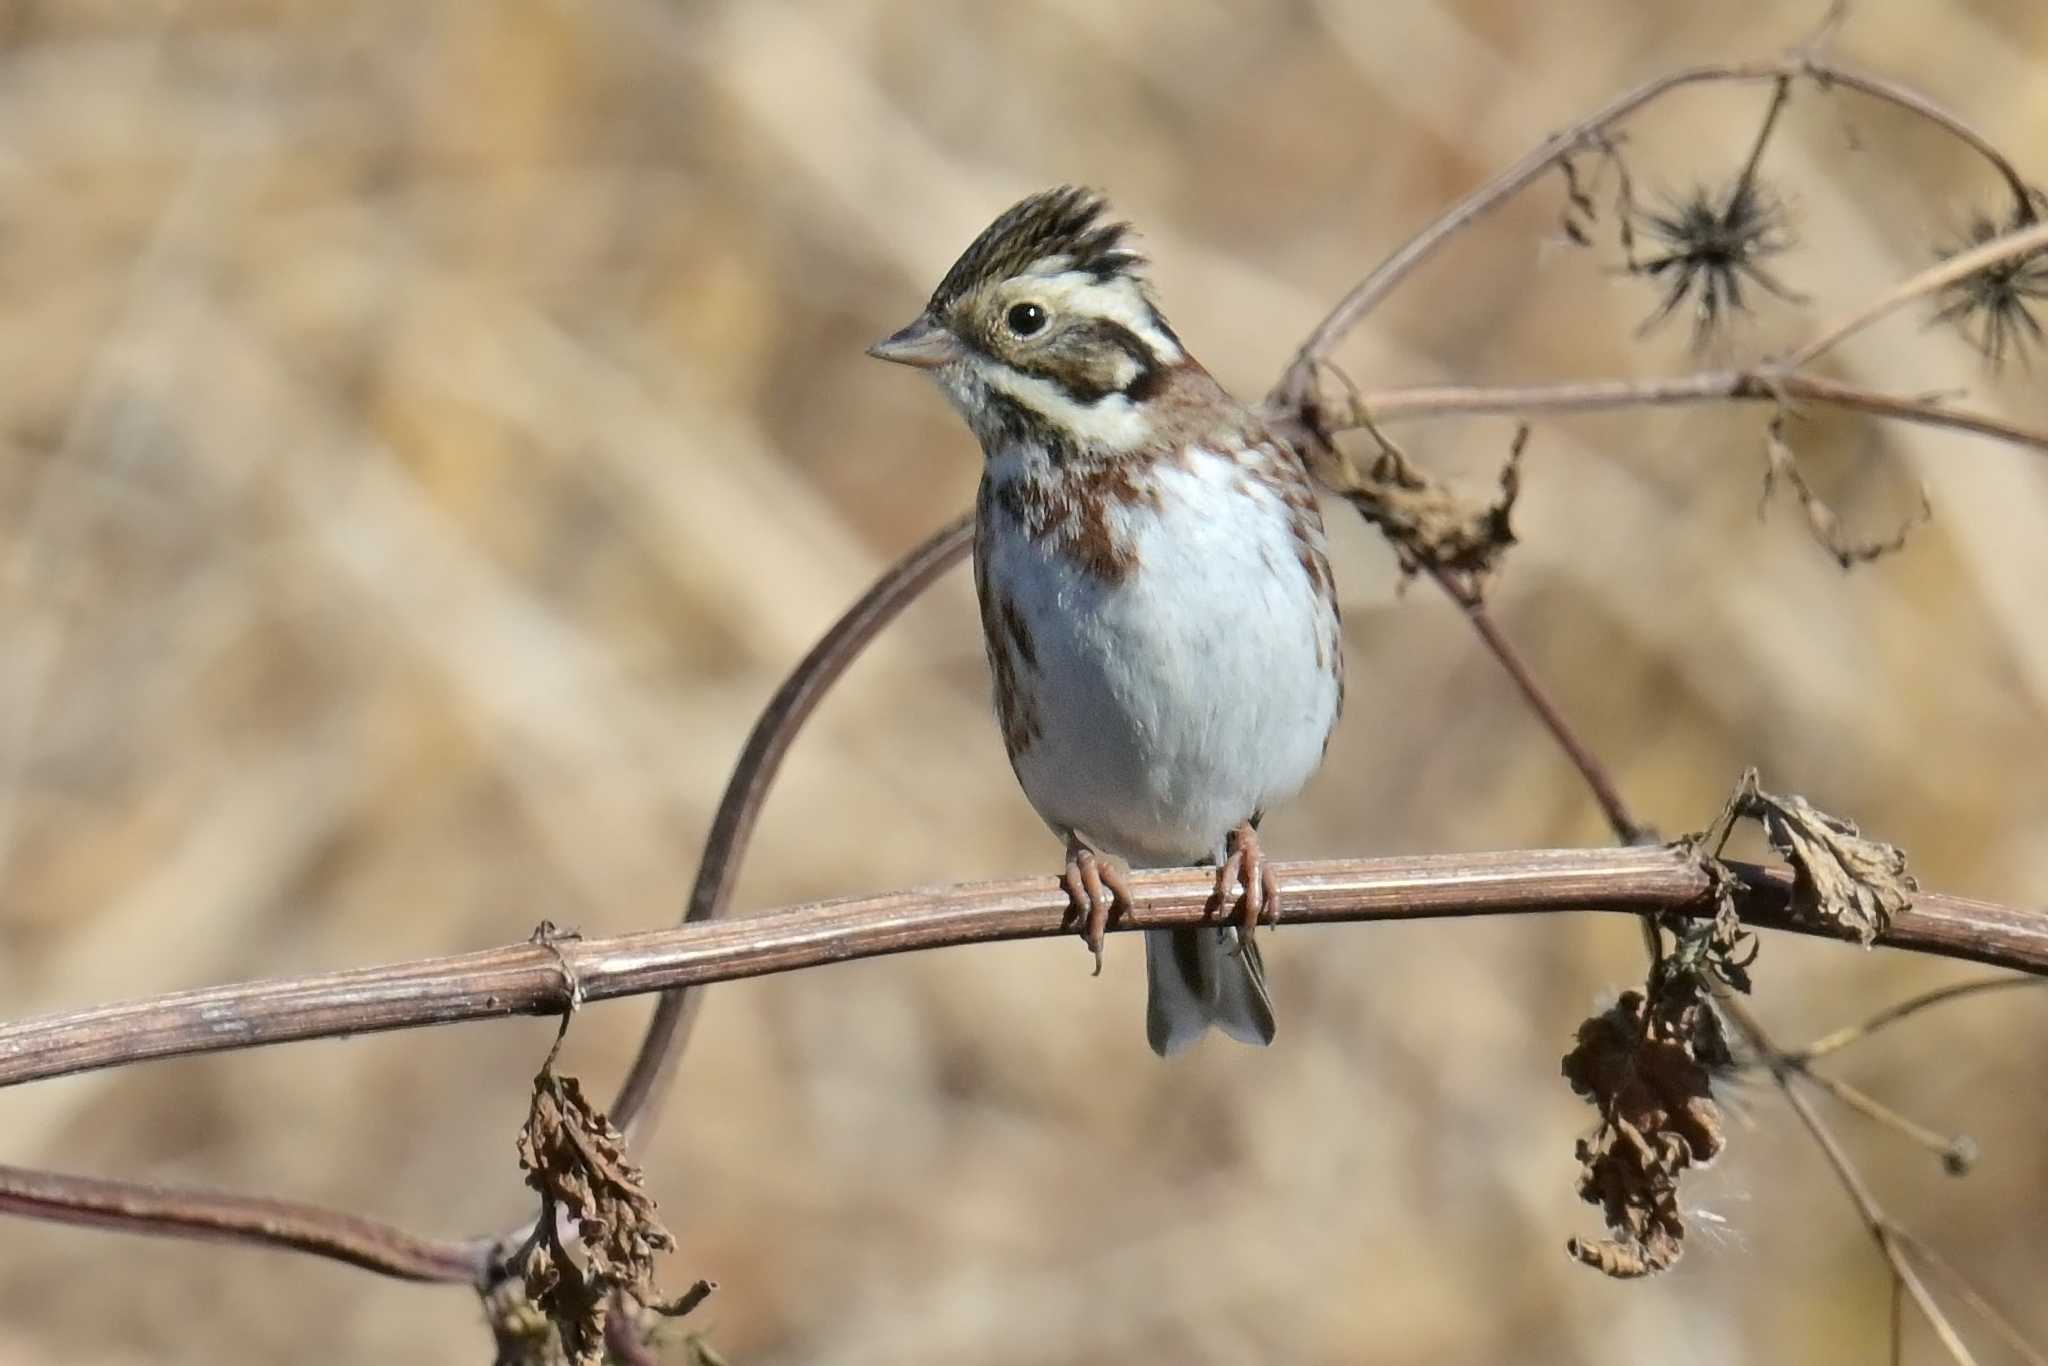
point(1097, 893)
point(1246, 885)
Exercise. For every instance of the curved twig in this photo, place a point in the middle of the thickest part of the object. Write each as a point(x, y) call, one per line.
point(1828, 73)
point(1296, 387)
point(1297, 383)
point(639, 1097)
point(1841, 1038)
point(144, 1207)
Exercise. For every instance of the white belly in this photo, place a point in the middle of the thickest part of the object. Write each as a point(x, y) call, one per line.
point(1195, 692)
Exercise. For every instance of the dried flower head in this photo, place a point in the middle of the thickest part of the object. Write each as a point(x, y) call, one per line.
point(1712, 244)
point(1994, 307)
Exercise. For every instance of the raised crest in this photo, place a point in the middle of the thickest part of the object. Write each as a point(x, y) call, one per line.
point(1068, 222)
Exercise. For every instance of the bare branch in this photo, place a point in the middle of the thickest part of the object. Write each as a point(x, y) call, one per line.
point(1707, 386)
point(1296, 387)
point(1913, 1005)
point(1298, 382)
point(1971, 1296)
point(529, 978)
point(1625, 826)
point(142, 1207)
point(1828, 74)
point(1963, 263)
point(1889, 1237)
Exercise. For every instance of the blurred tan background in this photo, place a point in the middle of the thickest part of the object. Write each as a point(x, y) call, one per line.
point(432, 429)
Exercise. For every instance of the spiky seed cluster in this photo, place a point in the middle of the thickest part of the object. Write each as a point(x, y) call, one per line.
point(1994, 307)
point(1062, 222)
point(1713, 244)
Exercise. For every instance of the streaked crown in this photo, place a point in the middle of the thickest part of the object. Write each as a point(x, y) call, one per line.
point(1051, 232)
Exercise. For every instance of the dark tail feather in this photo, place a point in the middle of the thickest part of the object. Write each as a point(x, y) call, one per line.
point(1198, 977)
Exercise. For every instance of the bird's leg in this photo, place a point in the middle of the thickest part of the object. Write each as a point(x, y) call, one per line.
point(1258, 903)
point(1097, 890)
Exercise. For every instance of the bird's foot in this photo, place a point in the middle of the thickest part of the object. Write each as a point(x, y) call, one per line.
point(1245, 883)
point(1097, 893)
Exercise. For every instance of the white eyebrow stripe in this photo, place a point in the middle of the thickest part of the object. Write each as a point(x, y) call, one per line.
point(1120, 300)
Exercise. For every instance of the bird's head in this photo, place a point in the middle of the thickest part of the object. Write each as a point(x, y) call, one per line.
point(1046, 321)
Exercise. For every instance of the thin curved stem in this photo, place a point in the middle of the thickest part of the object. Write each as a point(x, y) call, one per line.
point(1297, 383)
point(143, 1207)
point(1829, 73)
point(1367, 294)
point(639, 1097)
point(1888, 1236)
point(1971, 1296)
point(2019, 243)
point(1950, 1148)
point(1912, 1005)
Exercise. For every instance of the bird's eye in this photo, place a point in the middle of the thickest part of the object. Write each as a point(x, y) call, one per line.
point(1024, 319)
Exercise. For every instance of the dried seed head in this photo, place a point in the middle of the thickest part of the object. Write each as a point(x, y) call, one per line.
point(1713, 243)
point(1994, 307)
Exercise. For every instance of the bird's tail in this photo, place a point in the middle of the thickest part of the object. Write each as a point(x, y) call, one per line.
point(1199, 977)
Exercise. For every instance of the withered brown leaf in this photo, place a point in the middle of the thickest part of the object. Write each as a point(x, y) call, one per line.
point(1839, 876)
point(1429, 527)
point(575, 1158)
point(1821, 521)
point(1639, 1064)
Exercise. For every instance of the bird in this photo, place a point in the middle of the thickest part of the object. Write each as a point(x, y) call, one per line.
point(1154, 586)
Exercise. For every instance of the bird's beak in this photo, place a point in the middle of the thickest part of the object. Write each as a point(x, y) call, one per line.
point(923, 344)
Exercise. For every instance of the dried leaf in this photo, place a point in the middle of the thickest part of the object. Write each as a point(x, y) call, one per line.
point(1856, 883)
point(1821, 521)
point(1838, 876)
point(1581, 212)
point(1639, 1065)
point(1647, 1064)
point(576, 1159)
point(1429, 527)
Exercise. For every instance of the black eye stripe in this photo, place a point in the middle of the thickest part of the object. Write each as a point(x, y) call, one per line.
point(1083, 385)
point(1151, 374)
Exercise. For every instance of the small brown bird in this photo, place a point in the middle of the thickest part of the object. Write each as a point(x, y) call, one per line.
point(1155, 595)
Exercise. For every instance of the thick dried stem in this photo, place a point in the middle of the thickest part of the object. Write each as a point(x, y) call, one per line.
point(529, 979)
